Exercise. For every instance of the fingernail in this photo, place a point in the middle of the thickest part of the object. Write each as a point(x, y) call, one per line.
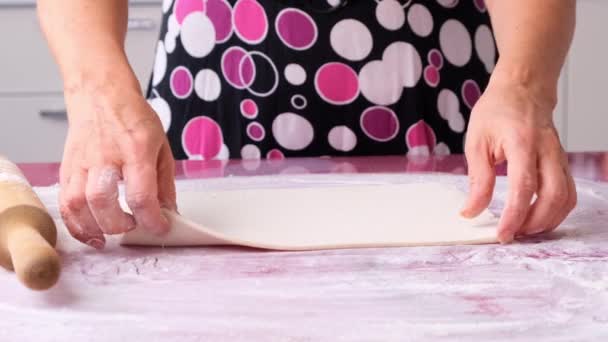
point(535, 231)
point(95, 243)
point(505, 238)
point(465, 212)
point(131, 225)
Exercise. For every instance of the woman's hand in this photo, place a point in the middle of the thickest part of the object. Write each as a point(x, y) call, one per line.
point(512, 122)
point(114, 135)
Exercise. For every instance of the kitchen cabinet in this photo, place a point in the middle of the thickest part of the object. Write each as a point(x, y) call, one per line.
point(32, 113)
point(33, 127)
point(28, 67)
point(586, 88)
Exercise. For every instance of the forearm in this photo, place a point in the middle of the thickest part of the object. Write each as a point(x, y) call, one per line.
point(86, 38)
point(533, 38)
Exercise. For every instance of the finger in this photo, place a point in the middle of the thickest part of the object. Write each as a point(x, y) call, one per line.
point(482, 177)
point(76, 214)
point(142, 197)
point(102, 198)
point(570, 203)
point(551, 198)
point(166, 179)
point(66, 167)
point(522, 178)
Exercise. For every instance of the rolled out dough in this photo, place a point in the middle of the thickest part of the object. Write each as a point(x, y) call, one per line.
point(323, 218)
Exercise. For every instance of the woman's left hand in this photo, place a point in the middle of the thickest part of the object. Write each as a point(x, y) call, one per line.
point(513, 122)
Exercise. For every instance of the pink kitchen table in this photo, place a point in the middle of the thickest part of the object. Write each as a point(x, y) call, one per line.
point(546, 288)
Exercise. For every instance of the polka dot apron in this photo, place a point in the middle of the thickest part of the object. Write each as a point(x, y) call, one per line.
point(278, 78)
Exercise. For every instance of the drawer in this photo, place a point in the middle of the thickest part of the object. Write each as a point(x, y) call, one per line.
point(32, 129)
point(587, 74)
point(28, 67)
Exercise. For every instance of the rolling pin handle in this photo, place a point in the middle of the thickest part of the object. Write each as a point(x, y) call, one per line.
point(35, 261)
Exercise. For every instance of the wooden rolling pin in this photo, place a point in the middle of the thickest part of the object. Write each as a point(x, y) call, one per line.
point(27, 231)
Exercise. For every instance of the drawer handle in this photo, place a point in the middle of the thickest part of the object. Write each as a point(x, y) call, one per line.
point(54, 114)
point(141, 24)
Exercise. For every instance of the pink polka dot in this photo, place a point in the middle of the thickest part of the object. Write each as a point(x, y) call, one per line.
point(379, 123)
point(337, 83)
point(249, 109)
point(220, 14)
point(238, 67)
point(470, 93)
point(256, 131)
point(181, 82)
point(184, 7)
point(250, 22)
point(431, 75)
point(275, 154)
point(296, 29)
point(435, 58)
point(480, 4)
point(202, 137)
point(420, 139)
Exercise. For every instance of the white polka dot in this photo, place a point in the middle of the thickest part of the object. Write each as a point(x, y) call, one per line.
point(273, 67)
point(162, 109)
point(298, 101)
point(382, 81)
point(250, 152)
point(167, 5)
point(351, 39)
point(455, 42)
point(207, 85)
point(295, 74)
point(251, 164)
point(484, 45)
point(419, 151)
point(448, 104)
point(224, 153)
point(292, 131)
point(172, 25)
point(420, 20)
point(441, 149)
point(170, 42)
point(160, 64)
point(333, 3)
point(404, 58)
point(380, 84)
point(390, 14)
point(456, 123)
point(342, 138)
point(196, 157)
point(448, 3)
point(198, 35)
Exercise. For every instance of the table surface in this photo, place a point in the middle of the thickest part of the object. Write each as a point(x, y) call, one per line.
point(591, 166)
point(550, 288)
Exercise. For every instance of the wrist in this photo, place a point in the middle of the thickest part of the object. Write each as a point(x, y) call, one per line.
point(108, 93)
point(112, 80)
point(538, 83)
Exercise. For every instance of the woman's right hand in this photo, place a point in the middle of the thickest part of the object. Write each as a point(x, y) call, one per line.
point(114, 135)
